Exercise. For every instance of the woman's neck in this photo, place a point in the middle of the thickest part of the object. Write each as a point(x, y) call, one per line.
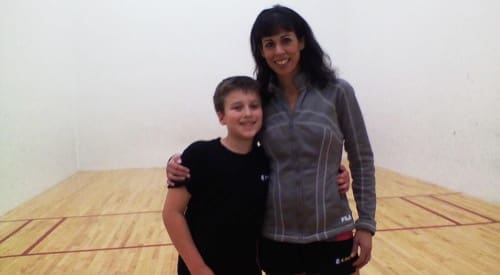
point(239, 146)
point(290, 90)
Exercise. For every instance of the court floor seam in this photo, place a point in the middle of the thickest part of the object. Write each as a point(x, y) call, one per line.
point(170, 244)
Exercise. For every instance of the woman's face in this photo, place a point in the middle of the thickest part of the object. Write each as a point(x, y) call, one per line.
point(282, 53)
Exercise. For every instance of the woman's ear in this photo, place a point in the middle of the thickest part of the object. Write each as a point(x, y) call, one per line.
point(302, 44)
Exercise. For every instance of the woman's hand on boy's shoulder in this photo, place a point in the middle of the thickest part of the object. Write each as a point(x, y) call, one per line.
point(343, 179)
point(175, 171)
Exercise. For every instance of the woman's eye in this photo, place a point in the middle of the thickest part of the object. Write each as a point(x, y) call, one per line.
point(268, 45)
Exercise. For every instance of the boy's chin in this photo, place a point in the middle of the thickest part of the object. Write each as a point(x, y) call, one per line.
point(248, 135)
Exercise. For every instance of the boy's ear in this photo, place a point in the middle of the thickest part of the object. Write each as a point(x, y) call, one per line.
point(220, 115)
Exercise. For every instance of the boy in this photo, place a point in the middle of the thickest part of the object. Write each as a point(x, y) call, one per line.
point(214, 217)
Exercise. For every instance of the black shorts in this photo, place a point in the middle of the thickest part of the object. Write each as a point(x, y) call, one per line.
point(224, 267)
point(326, 257)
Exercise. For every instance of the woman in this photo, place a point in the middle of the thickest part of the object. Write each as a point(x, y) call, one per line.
point(310, 115)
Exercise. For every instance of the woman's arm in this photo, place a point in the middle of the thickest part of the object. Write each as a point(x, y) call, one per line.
point(177, 172)
point(360, 155)
point(178, 230)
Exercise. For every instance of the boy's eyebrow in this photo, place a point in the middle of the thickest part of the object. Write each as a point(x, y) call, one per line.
point(241, 102)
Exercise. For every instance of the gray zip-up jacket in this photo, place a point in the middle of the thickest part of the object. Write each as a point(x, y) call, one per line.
point(305, 149)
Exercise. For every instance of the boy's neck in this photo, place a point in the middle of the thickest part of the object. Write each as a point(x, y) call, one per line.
point(239, 146)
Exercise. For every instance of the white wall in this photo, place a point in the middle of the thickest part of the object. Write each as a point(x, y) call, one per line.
point(142, 73)
point(428, 73)
point(149, 71)
point(37, 88)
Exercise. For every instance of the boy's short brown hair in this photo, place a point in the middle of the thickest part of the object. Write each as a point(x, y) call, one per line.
point(244, 83)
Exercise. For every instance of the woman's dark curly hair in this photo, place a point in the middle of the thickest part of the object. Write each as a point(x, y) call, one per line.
point(314, 63)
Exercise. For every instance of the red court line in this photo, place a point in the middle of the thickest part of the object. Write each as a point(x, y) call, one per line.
point(432, 211)
point(463, 208)
point(169, 244)
point(86, 216)
point(15, 231)
point(43, 236)
point(86, 250)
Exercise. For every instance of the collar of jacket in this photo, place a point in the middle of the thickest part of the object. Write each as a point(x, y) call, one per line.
point(300, 80)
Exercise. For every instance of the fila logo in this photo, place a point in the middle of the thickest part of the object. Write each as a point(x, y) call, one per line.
point(264, 177)
point(346, 218)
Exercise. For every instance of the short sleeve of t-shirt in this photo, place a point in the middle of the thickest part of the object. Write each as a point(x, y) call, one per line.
point(192, 157)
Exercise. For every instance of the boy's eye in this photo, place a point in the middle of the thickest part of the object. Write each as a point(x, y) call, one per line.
point(237, 107)
point(255, 106)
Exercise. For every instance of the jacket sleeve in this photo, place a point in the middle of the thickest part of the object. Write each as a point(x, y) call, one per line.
point(359, 154)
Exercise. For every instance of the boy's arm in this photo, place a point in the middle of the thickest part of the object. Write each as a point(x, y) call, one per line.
point(176, 225)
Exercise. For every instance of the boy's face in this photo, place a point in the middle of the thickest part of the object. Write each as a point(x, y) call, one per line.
point(242, 114)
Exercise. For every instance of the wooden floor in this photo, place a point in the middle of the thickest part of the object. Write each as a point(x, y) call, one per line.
point(110, 223)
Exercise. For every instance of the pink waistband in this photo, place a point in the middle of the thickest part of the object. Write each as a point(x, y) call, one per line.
point(344, 236)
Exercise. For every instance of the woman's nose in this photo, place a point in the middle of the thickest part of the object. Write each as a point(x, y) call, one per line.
point(279, 49)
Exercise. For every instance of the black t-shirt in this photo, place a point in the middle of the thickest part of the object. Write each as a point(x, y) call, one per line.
point(225, 212)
